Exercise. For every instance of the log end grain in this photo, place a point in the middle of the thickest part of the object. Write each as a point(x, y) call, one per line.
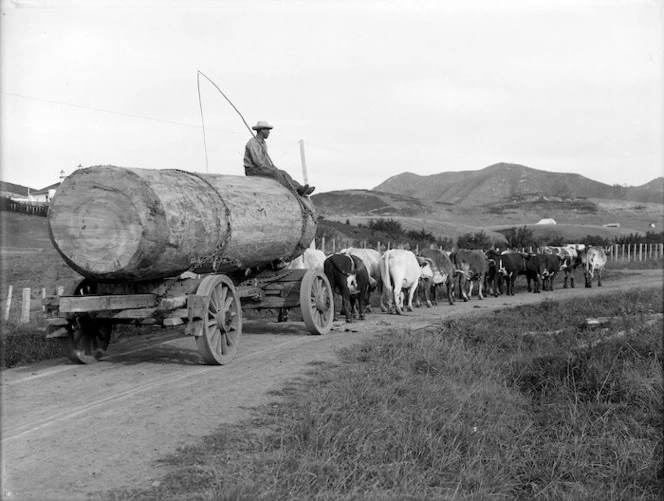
point(103, 219)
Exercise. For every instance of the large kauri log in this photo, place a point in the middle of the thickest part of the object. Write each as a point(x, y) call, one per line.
point(112, 223)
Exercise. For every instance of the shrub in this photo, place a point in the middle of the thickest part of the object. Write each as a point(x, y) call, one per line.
point(477, 240)
point(390, 226)
point(636, 238)
point(521, 238)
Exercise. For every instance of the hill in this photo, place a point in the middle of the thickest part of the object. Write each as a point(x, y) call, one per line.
point(368, 202)
point(575, 217)
point(505, 182)
point(651, 192)
point(10, 189)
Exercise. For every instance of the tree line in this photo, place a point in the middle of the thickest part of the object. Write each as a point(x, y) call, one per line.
point(388, 229)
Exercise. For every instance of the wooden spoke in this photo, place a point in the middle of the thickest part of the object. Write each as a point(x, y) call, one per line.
point(316, 302)
point(223, 326)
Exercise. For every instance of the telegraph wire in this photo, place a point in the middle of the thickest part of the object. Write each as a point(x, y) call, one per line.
point(200, 105)
point(130, 115)
point(173, 122)
point(287, 150)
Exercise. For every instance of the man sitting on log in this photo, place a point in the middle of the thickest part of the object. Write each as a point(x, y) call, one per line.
point(258, 163)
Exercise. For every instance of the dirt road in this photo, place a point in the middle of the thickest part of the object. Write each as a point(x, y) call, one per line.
point(70, 431)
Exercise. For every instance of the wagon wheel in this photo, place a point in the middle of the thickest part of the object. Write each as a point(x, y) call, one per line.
point(88, 338)
point(222, 327)
point(316, 302)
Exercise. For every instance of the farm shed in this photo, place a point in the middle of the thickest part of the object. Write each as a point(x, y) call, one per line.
point(43, 195)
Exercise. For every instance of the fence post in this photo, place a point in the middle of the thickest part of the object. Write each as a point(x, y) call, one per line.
point(9, 301)
point(25, 311)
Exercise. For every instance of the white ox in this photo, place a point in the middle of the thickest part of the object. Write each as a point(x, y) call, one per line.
point(593, 260)
point(310, 259)
point(400, 269)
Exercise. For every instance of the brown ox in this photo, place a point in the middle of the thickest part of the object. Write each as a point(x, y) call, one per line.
point(474, 265)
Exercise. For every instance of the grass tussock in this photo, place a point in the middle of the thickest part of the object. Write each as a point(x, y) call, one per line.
point(497, 407)
point(646, 264)
point(24, 343)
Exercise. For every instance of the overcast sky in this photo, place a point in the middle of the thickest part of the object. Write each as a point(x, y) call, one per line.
point(373, 89)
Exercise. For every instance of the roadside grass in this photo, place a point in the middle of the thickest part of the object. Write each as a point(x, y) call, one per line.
point(37, 270)
point(522, 403)
point(646, 264)
point(26, 343)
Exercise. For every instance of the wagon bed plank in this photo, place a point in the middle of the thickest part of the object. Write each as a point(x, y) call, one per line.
point(82, 304)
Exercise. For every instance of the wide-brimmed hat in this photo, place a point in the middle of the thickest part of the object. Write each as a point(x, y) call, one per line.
point(261, 124)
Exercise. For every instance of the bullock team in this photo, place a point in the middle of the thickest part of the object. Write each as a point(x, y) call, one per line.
point(402, 276)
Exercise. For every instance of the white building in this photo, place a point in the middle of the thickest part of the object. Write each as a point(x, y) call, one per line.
point(43, 195)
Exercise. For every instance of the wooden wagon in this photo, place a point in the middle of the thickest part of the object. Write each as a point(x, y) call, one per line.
point(209, 306)
point(147, 261)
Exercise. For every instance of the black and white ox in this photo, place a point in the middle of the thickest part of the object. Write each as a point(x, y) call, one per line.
point(570, 259)
point(371, 260)
point(349, 278)
point(507, 265)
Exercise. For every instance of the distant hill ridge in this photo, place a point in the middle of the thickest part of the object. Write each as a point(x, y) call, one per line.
point(503, 182)
point(14, 189)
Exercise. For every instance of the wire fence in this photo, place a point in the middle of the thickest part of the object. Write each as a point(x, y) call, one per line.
point(634, 252)
point(32, 208)
point(616, 253)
